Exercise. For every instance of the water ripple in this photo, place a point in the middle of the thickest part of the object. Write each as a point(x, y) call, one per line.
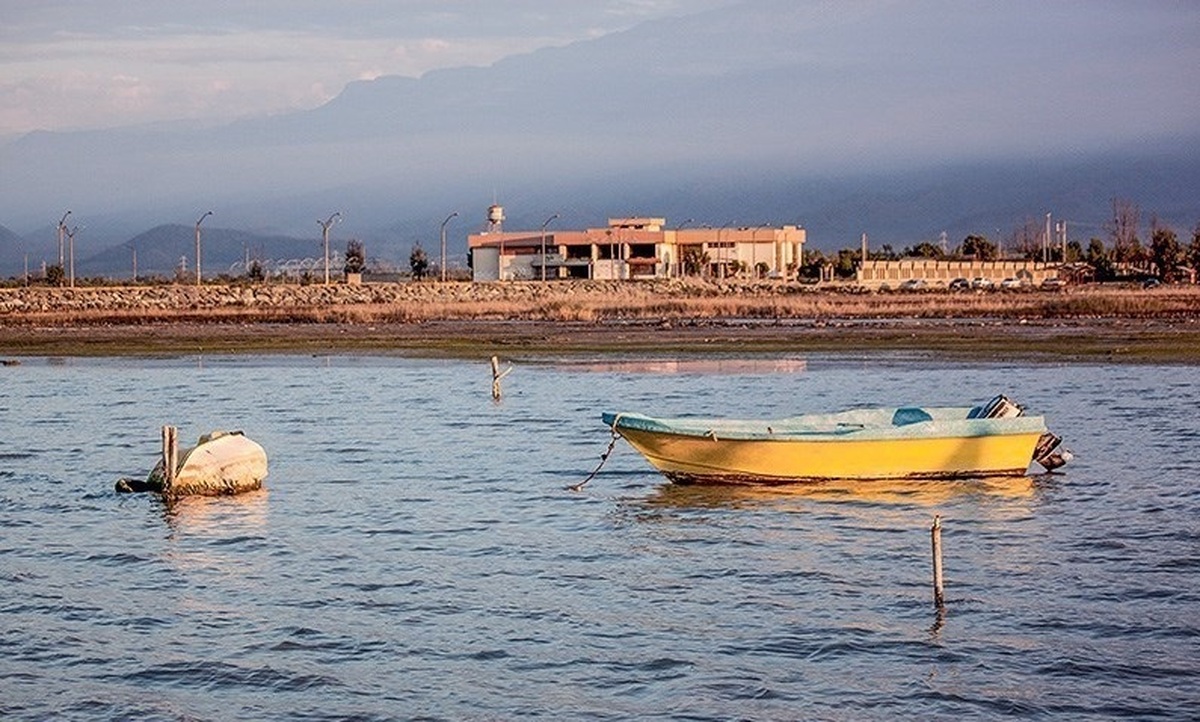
point(415, 554)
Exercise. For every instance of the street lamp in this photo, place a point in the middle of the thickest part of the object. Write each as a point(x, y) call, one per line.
point(678, 253)
point(325, 226)
point(62, 228)
point(721, 255)
point(198, 222)
point(754, 249)
point(452, 215)
point(544, 244)
point(71, 242)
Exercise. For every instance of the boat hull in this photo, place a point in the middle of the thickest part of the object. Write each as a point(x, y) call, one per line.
point(689, 459)
point(901, 443)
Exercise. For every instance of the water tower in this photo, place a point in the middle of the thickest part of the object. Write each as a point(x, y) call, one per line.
point(495, 218)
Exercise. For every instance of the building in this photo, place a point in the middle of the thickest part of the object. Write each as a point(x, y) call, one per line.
point(632, 248)
point(940, 272)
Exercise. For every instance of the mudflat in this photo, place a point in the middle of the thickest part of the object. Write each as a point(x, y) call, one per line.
point(1122, 324)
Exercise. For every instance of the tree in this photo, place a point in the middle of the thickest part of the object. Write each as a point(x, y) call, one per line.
point(418, 262)
point(924, 249)
point(255, 272)
point(1165, 251)
point(55, 275)
point(979, 247)
point(1123, 229)
point(812, 262)
point(356, 257)
point(695, 260)
point(1074, 252)
point(1194, 249)
point(846, 263)
point(1098, 258)
point(1027, 240)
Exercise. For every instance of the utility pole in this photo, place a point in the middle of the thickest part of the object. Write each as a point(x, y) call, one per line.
point(544, 244)
point(71, 241)
point(325, 226)
point(1046, 242)
point(443, 266)
point(62, 227)
point(206, 215)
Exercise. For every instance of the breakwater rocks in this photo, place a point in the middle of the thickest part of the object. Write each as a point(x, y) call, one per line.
point(402, 300)
point(574, 301)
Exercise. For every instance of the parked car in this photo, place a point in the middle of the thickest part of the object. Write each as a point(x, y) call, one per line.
point(1151, 283)
point(1053, 284)
point(982, 283)
point(1012, 284)
point(913, 284)
point(960, 284)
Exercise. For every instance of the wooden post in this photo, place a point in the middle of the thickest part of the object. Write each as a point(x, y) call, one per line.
point(170, 455)
point(935, 532)
point(496, 376)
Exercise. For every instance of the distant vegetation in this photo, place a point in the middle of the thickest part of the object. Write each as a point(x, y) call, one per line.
point(1125, 255)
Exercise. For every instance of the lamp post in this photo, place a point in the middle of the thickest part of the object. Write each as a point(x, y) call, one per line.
point(71, 242)
point(754, 249)
point(62, 228)
point(325, 226)
point(443, 266)
point(678, 253)
point(546, 223)
point(198, 222)
point(721, 254)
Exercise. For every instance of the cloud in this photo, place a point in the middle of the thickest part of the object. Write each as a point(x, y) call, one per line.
point(195, 59)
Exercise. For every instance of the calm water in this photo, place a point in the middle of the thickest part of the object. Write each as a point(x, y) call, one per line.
point(415, 554)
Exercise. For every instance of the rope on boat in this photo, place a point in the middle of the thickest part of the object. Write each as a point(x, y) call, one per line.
point(612, 444)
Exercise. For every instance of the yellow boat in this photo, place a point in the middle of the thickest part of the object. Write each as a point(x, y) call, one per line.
point(995, 439)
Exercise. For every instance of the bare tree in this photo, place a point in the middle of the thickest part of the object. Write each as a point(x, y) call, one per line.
point(1027, 239)
point(1123, 229)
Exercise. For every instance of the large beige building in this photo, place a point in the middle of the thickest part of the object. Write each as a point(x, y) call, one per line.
point(631, 248)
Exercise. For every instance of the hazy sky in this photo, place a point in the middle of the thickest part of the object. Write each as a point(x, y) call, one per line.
point(102, 63)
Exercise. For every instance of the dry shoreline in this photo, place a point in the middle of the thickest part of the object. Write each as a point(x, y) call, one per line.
point(531, 320)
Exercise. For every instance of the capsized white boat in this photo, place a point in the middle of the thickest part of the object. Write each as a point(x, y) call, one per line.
point(995, 439)
point(221, 462)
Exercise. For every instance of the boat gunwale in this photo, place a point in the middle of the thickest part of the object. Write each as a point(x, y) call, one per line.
point(778, 430)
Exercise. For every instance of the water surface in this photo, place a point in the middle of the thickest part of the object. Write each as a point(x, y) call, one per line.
point(414, 554)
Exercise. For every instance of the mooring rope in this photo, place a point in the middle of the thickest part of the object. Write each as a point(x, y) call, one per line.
point(612, 444)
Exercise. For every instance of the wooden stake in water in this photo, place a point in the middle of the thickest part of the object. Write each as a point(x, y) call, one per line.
point(496, 376)
point(170, 455)
point(935, 533)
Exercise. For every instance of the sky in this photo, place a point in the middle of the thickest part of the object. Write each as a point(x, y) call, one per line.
point(105, 63)
point(639, 105)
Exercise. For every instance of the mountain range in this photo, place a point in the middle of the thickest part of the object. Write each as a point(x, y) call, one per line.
point(834, 116)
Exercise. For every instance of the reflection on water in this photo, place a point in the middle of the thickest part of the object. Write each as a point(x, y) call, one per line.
point(921, 493)
point(781, 365)
point(218, 515)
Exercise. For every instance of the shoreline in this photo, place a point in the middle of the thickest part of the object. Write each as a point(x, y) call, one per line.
point(1124, 325)
point(1091, 341)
